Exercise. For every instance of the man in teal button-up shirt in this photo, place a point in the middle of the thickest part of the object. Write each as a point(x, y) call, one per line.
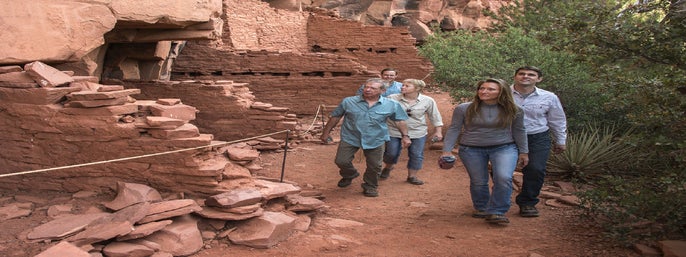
point(364, 126)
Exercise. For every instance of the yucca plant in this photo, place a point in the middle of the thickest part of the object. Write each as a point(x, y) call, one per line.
point(591, 152)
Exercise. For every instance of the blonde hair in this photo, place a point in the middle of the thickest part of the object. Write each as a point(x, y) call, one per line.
point(418, 83)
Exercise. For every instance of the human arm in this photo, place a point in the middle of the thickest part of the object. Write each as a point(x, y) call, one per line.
point(402, 126)
point(436, 121)
point(438, 133)
point(454, 130)
point(557, 122)
point(333, 121)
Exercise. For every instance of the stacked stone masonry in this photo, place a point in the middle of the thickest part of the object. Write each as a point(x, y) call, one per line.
point(62, 120)
point(326, 63)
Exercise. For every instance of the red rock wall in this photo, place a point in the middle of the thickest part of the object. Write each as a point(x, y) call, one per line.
point(226, 109)
point(75, 121)
point(274, 78)
point(335, 57)
point(376, 47)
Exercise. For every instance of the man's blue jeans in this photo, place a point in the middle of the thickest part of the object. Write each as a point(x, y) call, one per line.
point(503, 159)
point(344, 160)
point(534, 172)
point(415, 152)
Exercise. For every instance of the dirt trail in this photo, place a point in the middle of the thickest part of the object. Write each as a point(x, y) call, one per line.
point(407, 220)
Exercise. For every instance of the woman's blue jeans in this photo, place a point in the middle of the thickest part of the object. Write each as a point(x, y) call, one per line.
point(503, 159)
point(415, 152)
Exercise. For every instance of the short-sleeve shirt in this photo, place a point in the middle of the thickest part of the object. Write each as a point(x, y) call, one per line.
point(365, 126)
point(394, 88)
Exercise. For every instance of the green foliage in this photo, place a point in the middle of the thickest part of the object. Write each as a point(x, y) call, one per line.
point(462, 58)
point(592, 153)
point(610, 62)
point(637, 53)
point(638, 209)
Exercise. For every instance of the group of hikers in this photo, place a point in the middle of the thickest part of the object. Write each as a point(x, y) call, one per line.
point(504, 126)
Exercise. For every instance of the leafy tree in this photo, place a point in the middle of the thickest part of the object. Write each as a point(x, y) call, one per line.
point(461, 58)
point(611, 62)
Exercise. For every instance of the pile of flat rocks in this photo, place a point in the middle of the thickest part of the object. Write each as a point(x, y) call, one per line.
point(140, 222)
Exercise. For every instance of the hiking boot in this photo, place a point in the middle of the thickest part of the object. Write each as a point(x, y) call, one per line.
point(497, 219)
point(414, 181)
point(369, 191)
point(385, 173)
point(344, 182)
point(528, 211)
point(479, 214)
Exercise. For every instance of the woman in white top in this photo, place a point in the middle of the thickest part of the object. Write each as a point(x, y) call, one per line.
point(418, 108)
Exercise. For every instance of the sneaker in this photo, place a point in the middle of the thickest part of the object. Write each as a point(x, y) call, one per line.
point(369, 191)
point(385, 173)
point(479, 214)
point(414, 181)
point(344, 182)
point(497, 219)
point(528, 211)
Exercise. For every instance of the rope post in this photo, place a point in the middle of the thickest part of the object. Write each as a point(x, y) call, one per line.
point(285, 151)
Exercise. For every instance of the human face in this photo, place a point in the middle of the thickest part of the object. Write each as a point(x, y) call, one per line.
point(527, 78)
point(488, 92)
point(372, 89)
point(388, 75)
point(408, 88)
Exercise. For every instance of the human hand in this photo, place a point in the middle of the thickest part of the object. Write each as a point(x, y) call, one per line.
point(437, 137)
point(325, 138)
point(406, 141)
point(558, 149)
point(523, 160)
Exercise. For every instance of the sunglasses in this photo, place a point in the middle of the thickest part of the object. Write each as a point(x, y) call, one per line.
point(409, 112)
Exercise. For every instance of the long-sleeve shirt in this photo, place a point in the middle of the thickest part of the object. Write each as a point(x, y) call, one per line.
point(418, 112)
point(542, 112)
point(484, 131)
point(364, 126)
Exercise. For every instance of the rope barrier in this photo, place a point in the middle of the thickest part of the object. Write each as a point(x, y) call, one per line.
point(315, 119)
point(139, 156)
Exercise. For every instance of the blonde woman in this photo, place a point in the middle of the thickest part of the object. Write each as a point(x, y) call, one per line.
point(418, 107)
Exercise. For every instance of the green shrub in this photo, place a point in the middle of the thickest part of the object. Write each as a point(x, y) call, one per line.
point(638, 208)
point(461, 58)
point(591, 153)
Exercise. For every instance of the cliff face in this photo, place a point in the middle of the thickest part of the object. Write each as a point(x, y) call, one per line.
point(247, 66)
point(418, 15)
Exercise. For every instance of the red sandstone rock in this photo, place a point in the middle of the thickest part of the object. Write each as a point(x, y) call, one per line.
point(298, 203)
point(238, 154)
point(124, 249)
point(271, 190)
point(264, 231)
point(10, 68)
point(235, 198)
point(144, 230)
point(132, 193)
point(168, 209)
point(64, 248)
point(47, 76)
point(168, 101)
point(222, 214)
point(15, 210)
point(181, 238)
point(101, 230)
point(64, 226)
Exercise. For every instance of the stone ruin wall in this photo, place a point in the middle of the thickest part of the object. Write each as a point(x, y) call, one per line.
point(81, 121)
point(268, 64)
point(226, 109)
point(334, 57)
